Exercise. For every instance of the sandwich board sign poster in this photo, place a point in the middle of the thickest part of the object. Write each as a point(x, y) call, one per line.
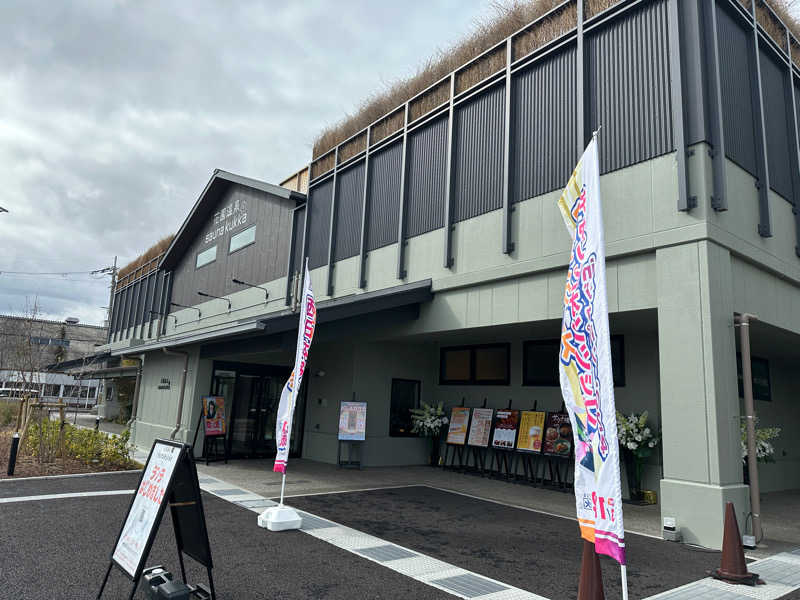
point(145, 511)
point(480, 427)
point(505, 429)
point(558, 435)
point(459, 420)
point(214, 415)
point(531, 431)
point(353, 421)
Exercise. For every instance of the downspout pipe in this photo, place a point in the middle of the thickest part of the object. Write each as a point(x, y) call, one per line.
point(136, 389)
point(743, 321)
point(183, 387)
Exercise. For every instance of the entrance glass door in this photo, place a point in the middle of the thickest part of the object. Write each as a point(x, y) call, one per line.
point(254, 399)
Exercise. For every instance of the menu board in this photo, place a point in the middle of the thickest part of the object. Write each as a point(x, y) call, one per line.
point(353, 421)
point(214, 415)
point(505, 429)
point(557, 435)
point(480, 427)
point(531, 431)
point(146, 506)
point(459, 419)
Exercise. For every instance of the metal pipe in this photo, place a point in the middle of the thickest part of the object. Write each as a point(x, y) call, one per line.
point(136, 389)
point(183, 387)
point(743, 321)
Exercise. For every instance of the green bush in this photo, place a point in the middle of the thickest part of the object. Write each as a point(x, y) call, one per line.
point(8, 413)
point(85, 445)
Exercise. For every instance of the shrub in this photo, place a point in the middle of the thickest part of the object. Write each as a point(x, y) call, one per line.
point(8, 413)
point(85, 445)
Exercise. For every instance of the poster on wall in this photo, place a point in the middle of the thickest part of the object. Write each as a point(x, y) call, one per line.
point(353, 421)
point(505, 429)
point(214, 415)
point(146, 507)
point(459, 420)
point(557, 435)
point(531, 431)
point(480, 427)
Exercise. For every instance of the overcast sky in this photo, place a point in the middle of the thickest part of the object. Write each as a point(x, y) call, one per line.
point(113, 115)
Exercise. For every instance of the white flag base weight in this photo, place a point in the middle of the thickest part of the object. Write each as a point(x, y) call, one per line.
point(280, 518)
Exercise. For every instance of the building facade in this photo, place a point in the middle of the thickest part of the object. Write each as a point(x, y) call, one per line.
point(438, 257)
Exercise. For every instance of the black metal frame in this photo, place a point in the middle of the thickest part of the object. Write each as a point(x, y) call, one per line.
point(685, 201)
point(401, 217)
point(332, 228)
point(449, 191)
point(365, 207)
point(762, 162)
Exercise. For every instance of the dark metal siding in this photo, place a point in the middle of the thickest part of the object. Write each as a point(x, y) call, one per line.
point(629, 87)
point(777, 120)
point(260, 262)
point(349, 199)
point(384, 196)
point(297, 253)
point(427, 168)
point(478, 155)
point(736, 79)
point(319, 222)
point(544, 150)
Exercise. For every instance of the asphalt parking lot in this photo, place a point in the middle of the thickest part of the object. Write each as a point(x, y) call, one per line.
point(60, 549)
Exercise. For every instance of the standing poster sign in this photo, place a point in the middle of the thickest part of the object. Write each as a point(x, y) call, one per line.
point(168, 479)
point(505, 429)
point(585, 364)
point(481, 427)
point(457, 431)
point(353, 421)
point(214, 415)
point(557, 435)
point(531, 431)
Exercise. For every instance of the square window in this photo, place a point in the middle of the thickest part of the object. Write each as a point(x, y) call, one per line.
point(491, 364)
point(475, 365)
point(206, 256)
point(242, 239)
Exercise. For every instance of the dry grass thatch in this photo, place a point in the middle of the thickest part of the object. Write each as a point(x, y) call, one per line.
point(509, 17)
point(133, 270)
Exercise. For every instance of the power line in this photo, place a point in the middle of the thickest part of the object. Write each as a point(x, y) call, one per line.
point(62, 273)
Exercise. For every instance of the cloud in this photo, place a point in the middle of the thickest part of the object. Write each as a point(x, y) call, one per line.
point(116, 113)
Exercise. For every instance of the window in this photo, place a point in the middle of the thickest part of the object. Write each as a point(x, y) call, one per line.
point(405, 396)
point(540, 362)
point(759, 368)
point(206, 256)
point(242, 239)
point(474, 365)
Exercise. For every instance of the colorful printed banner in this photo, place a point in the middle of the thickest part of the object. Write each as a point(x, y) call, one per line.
point(585, 363)
point(505, 429)
point(305, 333)
point(531, 431)
point(457, 432)
point(353, 421)
point(214, 415)
point(480, 427)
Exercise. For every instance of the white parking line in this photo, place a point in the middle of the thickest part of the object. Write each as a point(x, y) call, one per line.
point(64, 496)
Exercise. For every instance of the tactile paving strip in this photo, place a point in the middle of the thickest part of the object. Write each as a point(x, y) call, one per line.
point(469, 585)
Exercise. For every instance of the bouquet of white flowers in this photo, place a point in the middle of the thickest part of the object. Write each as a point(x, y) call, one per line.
point(764, 449)
point(637, 441)
point(428, 420)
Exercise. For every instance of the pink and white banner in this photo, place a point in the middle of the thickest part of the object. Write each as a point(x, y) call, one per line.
point(305, 333)
point(587, 384)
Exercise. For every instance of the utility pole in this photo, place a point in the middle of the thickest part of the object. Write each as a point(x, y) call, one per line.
point(113, 271)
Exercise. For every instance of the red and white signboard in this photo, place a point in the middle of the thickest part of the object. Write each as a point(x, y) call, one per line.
point(144, 510)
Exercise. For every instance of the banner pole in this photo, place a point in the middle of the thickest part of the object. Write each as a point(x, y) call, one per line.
point(283, 486)
point(624, 571)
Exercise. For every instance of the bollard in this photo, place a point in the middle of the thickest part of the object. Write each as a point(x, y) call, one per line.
point(12, 460)
point(97, 423)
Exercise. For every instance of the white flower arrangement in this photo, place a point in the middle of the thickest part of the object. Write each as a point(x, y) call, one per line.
point(764, 449)
point(634, 434)
point(428, 420)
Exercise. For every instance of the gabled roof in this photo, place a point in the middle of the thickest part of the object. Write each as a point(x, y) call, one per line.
point(201, 211)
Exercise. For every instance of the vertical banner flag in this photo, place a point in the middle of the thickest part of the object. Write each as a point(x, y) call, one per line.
point(585, 363)
point(305, 333)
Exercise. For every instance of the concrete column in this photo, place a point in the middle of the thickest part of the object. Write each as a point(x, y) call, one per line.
point(699, 400)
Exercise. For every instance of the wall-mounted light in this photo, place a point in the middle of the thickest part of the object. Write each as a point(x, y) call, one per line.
point(320, 373)
point(199, 314)
point(252, 285)
point(207, 295)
